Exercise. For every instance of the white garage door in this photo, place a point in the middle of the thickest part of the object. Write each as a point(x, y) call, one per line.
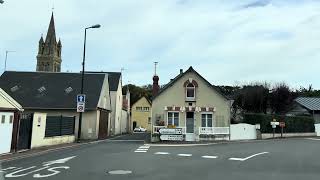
point(6, 125)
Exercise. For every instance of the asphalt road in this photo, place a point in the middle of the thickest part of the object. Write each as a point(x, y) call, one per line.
point(288, 159)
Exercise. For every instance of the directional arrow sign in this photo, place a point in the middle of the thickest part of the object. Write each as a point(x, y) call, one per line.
point(171, 137)
point(170, 131)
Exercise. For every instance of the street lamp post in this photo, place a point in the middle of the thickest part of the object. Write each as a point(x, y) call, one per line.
point(82, 73)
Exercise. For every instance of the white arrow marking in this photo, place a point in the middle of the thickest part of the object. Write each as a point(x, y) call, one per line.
point(53, 170)
point(243, 159)
point(59, 161)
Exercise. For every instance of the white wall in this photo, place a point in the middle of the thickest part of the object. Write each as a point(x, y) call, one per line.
point(5, 132)
point(38, 133)
point(124, 121)
point(317, 129)
point(243, 131)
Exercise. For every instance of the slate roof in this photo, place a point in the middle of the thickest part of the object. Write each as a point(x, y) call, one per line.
point(48, 90)
point(311, 103)
point(181, 75)
point(114, 78)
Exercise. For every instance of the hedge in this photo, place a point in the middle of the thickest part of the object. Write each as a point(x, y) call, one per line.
point(294, 124)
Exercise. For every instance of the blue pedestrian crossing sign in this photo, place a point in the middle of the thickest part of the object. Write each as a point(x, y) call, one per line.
point(81, 98)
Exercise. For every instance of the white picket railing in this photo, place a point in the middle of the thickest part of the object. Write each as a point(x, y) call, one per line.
point(214, 130)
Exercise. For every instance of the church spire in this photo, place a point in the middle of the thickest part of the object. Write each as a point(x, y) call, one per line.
point(51, 34)
point(49, 53)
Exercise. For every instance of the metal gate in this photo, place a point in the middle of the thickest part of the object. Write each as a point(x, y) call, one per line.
point(25, 131)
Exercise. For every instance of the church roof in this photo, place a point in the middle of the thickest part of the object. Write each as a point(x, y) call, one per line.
point(48, 90)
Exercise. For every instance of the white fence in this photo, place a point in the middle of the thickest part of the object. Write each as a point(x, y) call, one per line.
point(243, 131)
point(317, 129)
point(214, 130)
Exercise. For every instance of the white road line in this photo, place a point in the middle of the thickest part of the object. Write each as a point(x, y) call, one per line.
point(161, 153)
point(137, 151)
point(243, 159)
point(313, 139)
point(185, 155)
point(179, 145)
point(210, 157)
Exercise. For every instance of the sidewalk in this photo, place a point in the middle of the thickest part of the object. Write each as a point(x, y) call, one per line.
point(46, 149)
point(37, 151)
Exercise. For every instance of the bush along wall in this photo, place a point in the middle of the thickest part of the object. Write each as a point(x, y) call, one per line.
point(296, 124)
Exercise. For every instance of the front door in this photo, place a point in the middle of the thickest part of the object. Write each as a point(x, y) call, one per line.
point(190, 126)
point(103, 125)
point(25, 131)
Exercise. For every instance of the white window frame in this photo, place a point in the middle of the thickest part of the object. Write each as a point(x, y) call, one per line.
point(194, 92)
point(173, 117)
point(206, 113)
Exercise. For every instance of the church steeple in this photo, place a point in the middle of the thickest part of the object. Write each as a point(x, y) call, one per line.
point(49, 53)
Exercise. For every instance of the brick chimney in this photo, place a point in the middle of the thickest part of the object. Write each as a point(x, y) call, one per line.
point(155, 85)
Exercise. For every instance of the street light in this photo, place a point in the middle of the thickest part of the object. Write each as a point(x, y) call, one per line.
point(82, 73)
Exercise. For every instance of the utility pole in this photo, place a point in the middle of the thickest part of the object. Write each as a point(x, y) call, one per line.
point(5, 61)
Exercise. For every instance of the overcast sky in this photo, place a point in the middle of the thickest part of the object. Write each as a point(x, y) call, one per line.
point(229, 42)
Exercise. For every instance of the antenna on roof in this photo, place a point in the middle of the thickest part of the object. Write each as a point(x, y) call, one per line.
point(155, 67)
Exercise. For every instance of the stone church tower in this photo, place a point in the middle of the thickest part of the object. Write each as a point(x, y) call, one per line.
point(49, 53)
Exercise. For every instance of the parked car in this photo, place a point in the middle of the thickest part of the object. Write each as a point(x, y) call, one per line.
point(139, 129)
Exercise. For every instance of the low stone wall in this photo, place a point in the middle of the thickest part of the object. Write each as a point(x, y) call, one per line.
point(270, 135)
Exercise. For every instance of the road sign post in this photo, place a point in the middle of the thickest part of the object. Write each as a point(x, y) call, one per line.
point(171, 134)
point(274, 124)
point(282, 125)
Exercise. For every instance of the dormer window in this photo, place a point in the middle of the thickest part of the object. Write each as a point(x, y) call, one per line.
point(190, 87)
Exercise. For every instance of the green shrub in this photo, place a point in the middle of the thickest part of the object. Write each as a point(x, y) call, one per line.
point(296, 124)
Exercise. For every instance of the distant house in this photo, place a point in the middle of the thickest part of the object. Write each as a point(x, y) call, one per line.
point(141, 114)
point(306, 106)
point(9, 117)
point(49, 101)
point(190, 102)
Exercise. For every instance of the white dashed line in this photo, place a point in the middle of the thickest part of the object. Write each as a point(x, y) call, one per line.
point(162, 153)
point(315, 139)
point(185, 155)
point(210, 157)
point(138, 151)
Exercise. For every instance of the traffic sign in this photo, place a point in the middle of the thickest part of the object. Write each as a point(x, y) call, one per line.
point(80, 107)
point(81, 98)
point(171, 137)
point(274, 123)
point(282, 124)
point(170, 131)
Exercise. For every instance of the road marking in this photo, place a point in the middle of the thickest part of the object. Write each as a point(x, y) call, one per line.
point(244, 159)
point(185, 155)
point(120, 172)
point(139, 151)
point(162, 153)
point(179, 145)
point(210, 157)
point(143, 148)
point(20, 172)
point(313, 139)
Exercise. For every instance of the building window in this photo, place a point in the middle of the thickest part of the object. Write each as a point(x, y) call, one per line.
point(146, 109)
point(206, 120)
point(149, 120)
point(138, 108)
point(173, 118)
point(11, 119)
point(3, 119)
point(190, 92)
